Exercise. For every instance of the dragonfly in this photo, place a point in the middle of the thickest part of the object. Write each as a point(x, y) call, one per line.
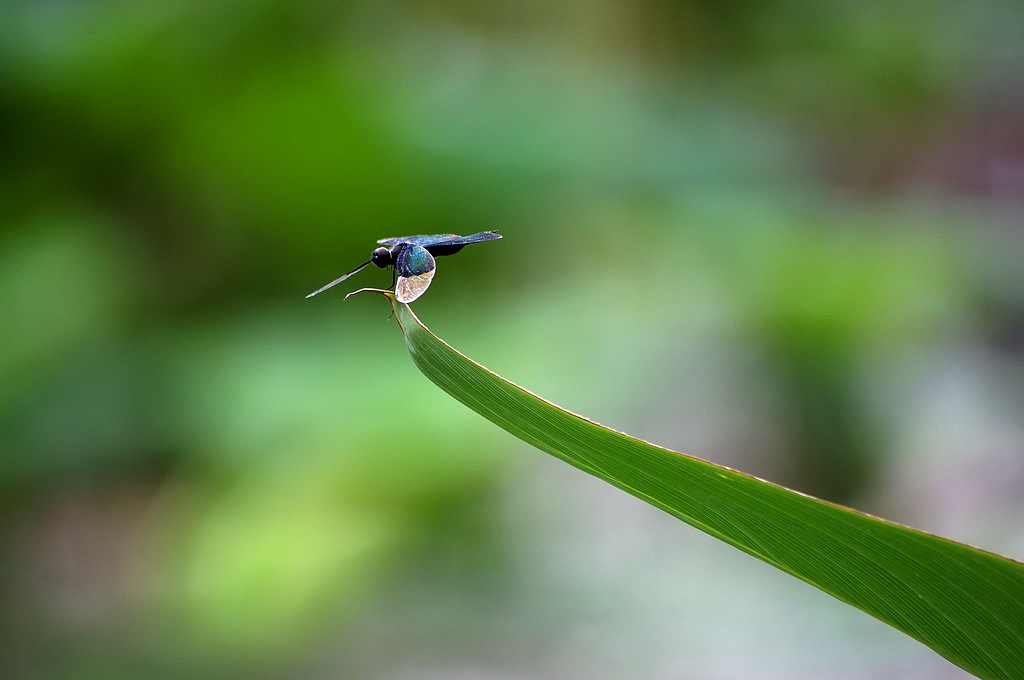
point(412, 258)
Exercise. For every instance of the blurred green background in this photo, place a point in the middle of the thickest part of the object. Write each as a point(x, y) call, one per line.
point(785, 237)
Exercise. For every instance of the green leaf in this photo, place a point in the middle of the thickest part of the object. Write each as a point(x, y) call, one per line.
point(965, 603)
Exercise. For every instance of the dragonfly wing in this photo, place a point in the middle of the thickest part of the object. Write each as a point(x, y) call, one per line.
point(428, 240)
point(409, 288)
point(456, 244)
point(466, 240)
point(425, 240)
point(415, 267)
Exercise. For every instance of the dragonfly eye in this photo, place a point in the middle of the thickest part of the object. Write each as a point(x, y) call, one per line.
point(382, 258)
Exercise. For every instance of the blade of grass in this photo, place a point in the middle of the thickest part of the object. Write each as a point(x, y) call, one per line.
point(965, 603)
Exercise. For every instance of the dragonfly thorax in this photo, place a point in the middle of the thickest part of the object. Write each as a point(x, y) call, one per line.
point(382, 257)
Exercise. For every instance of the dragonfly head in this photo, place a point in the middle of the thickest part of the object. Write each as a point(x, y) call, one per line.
point(382, 257)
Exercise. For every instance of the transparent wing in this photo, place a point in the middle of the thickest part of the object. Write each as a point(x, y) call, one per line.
point(409, 288)
point(415, 267)
point(441, 239)
point(473, 238)
point(425, 240)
